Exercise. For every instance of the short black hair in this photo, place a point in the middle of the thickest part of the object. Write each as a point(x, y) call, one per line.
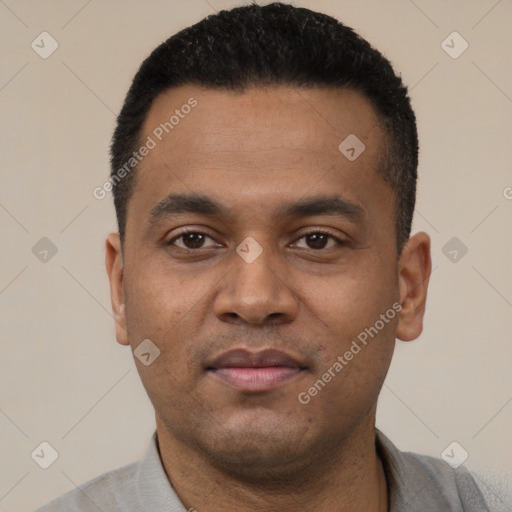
point(275, 44)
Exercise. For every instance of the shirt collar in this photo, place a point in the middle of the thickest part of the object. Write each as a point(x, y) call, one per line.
point(153, 487)
point(415, 482)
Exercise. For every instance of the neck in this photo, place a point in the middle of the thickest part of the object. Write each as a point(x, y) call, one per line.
point(349, 479)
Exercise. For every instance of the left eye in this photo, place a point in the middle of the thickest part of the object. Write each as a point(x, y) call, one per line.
point(191, 240)
point(319, 240)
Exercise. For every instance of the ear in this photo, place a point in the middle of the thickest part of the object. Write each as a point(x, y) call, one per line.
point(115, 266)
point(414, 266)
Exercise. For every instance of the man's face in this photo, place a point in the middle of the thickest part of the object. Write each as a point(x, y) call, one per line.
point(304, 282)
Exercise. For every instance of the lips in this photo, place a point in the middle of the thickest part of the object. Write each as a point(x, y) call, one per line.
point(255, 371)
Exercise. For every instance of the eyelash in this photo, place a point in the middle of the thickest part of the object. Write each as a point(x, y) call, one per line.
point(311, 232)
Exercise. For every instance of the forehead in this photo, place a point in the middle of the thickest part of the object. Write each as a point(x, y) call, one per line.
point(260, 145)
point(268, 119)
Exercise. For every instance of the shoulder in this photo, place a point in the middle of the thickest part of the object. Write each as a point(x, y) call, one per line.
point(477, 492)
point(141, 485)
point(447, 480)
point(99, 493)
point(421, 482)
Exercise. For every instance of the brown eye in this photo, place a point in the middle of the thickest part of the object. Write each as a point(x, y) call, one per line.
point(318, 240)
point(190, 240)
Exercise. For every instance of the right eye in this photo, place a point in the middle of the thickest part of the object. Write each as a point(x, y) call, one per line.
point(191, 240)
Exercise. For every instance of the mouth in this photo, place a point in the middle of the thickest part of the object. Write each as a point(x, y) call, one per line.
point(255, 371)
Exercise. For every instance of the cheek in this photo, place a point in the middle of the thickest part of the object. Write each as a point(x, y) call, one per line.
point(167, 308)
point(155, 296)
point(354, 300)
point(356, 351)
point(156, 312)
point(359, 325)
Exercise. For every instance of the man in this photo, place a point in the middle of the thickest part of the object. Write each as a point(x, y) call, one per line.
point(264, 173)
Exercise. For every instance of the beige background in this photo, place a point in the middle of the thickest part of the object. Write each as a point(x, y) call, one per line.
point(65, 380)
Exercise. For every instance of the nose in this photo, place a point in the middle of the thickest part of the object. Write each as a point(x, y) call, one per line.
point(256, 292)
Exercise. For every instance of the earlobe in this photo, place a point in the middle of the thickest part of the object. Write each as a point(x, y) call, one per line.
point(115, 270)
point(414, 272)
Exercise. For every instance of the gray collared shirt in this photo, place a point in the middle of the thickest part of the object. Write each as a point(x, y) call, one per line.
point(416, 483)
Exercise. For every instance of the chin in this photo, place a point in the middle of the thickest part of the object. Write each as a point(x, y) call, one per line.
point(260, 451)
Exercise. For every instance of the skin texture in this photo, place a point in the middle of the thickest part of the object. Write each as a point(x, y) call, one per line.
point(224, 449)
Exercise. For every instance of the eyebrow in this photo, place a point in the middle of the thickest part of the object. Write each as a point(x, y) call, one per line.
point(176, 204)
